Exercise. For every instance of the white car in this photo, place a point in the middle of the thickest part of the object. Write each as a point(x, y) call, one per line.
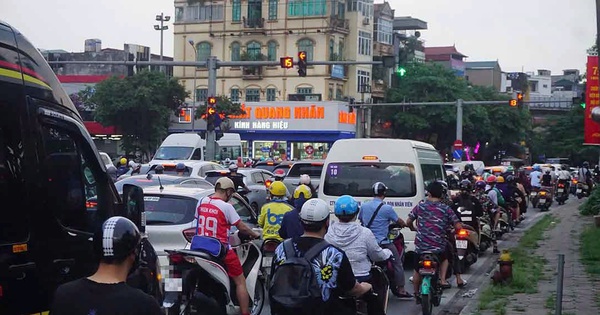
point(170, 216)
point(193, 168)
point(106, 159)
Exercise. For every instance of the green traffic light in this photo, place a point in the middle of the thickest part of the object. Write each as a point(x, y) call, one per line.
point(401, 71)
point(582, 105)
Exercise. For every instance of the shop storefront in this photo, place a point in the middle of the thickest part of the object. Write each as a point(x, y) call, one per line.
point(288, 130)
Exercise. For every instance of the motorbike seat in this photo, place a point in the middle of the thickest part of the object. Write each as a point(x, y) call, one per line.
point(203, 255)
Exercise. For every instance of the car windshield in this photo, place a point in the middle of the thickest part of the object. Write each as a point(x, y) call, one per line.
point(105, 159)
point(357, 179)
point(173, 153)
point(142, 181)
point(169, 210)
point(212, 177)
point(311, 169)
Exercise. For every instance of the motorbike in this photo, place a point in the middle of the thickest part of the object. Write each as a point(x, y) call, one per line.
point(430, 289)
point(505, 221)
point(487, 236)
point(545, 199)
point(533, 197)
point(268, 251)
point(562, 193)
point(198, 282)
point(467, 246)
point(377, 298)
point(582, 190)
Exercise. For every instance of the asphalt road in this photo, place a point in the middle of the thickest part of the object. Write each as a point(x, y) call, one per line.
point(454, 299)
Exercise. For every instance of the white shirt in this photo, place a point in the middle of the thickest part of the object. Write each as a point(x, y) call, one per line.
point(492, 194)
point(536, 177)
point(564, 175)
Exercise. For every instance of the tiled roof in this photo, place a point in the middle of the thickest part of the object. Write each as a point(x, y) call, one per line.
point(444, 50)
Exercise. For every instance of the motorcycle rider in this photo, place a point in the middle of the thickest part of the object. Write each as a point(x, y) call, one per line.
point(291, 226)
point(377, 216)
point(536, 177)
point(585, 175)
point(495, 196)
point(355, 240)
point(305, 180)
point(331, 266)
point(159, 169)
point(238, 179)
point(515, 197)
point(433, 220)
point(123, 167)
point(215, 216)
point(470, 219)
point(105, 292)
point(271, 213)
point(491, 209)
point(564, 177)
point(180, 169)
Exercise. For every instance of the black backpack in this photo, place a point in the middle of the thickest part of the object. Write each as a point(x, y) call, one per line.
point(294, 283)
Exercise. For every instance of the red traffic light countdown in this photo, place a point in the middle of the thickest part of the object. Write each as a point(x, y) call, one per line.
point(513, 103)
point(517, 100)
point(286, 62)
point(185, 115)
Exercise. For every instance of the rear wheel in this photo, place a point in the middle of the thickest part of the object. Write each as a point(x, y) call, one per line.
point(426, 304)
point(259, 298)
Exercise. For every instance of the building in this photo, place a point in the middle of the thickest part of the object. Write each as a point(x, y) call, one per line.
point(447, 56)
point(383, 45)
point(540, 84)
point(485, 73)
point(296, 130)
point(568, 84)
point(267, 30)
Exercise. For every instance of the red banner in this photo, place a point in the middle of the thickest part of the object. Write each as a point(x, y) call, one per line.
point(592, 99)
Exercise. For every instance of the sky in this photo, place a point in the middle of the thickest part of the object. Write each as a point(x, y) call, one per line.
point(521, 34)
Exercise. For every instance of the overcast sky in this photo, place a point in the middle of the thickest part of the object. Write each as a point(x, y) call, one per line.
point(521, 34)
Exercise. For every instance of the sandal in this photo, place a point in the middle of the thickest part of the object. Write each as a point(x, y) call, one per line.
point(463, 284)
point(446, 286)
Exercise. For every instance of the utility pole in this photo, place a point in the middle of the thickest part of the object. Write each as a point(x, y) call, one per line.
point(459, 122)
point(193, 109)
point(211, 139)
point(162, 18)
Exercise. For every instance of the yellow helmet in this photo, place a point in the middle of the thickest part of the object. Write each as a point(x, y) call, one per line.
point(304, 190)
point(499, 179)
point(123, 161)
point(277, 188)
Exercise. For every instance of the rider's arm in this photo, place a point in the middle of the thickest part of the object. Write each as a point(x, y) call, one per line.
point(374, 251)
point(412, 216)
point(242, 227)
point(261, 217)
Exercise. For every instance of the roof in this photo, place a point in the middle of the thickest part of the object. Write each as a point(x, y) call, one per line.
point(442, 50)
point(481, 64)
point(178, 191)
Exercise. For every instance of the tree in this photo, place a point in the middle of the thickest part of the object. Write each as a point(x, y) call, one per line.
point(225, 108)
point(499, 125)
point(140, 106)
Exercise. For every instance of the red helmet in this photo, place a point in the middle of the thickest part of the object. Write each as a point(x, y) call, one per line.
point(491, 179)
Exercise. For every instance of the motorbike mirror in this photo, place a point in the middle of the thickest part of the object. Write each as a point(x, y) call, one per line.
point(133, 206)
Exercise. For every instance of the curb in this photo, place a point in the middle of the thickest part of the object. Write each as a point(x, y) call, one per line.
point(472, 307)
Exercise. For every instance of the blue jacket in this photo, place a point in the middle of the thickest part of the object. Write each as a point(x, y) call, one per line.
point(291, 226)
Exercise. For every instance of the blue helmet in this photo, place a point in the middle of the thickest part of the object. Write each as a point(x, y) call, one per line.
point(537, 168)
point(180, 167)
point(345, 205)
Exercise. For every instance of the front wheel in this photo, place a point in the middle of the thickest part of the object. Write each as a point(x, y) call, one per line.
point(427, 304)
point(259, 298)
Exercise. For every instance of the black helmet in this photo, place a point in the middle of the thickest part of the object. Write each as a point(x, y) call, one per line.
point(159, 169)
point(465, 185)
point(510, 179)
point(586, 164)
point(180, 167)
point(117, 239)
point(379, 188)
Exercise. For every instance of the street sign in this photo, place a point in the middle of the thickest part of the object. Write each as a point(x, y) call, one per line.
point(457, 154)
point(309, 149)
point(458, 144)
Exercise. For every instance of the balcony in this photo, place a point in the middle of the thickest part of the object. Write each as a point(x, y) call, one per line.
point(252, 72)
point(253, 22)
point(380, 49)
point(340, 25)
point(378, 89)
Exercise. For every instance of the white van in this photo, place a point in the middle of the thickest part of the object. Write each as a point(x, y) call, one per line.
point(229, 146)
point(179, 147)
point(352, 167)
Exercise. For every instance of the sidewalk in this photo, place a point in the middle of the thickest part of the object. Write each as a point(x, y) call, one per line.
point(579, 288)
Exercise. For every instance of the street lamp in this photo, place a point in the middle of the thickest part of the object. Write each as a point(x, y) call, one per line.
point(194, 92)
point(162, 18)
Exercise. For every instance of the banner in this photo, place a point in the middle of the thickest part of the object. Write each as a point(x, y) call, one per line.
point(592, 99)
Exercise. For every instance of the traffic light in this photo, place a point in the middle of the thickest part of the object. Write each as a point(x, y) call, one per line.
point(519, 99)
point(211, 103)
point(579, 100)
point(513, 103)
point(302, 63)
point(286, 62)
point(400, 71)
point(185, 115)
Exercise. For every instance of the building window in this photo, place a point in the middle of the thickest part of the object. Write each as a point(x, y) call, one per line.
point(236, 10)
point(208, 12)
point(384, 31)
point(272, 51)
point(306, 45)
point(271, 94)
point(204, 50)
point(252, 95)
point(253, 49)
point(331, 49)
point(364, 43)
point(307, 7)
point(364, 6)
point(235, 95)
point(330, 93)
point(304, 90)
point(235, 51)
point(201, 95)
point(339, 94)
point(273, 9)
point(341, 49)
point(364, 81)
point(179, 14)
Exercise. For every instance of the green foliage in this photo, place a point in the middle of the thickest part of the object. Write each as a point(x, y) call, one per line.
point(590, 250)
point(224, 106)
point(82, 99)
point(500, 125)
point(591, 206)
point(140, 106)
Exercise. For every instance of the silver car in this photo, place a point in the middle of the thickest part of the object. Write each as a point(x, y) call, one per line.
point(171, 212)
point(257, 180)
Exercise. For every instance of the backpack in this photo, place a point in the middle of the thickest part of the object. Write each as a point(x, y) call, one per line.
point(501, 201)
point(294, 283)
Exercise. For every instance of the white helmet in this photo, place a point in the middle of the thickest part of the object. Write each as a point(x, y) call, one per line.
point(314, 210)
point(233, 167)
point(304, 179)
point(227, 161)
point(131, 164)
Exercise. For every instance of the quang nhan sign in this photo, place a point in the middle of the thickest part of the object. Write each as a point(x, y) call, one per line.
point(294, 116)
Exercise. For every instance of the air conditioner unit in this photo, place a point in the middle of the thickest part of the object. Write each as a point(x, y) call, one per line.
point(366, 21)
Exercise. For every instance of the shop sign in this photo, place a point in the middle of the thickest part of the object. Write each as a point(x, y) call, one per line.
point(309, 149)
point(591, 132)
point(281, 112)
point(272, 125)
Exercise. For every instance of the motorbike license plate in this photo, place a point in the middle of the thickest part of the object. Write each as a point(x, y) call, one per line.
point(533, 193)
point(173, 284)
point(542, 200)
point(461, 244)
point(426, 271)
point(267, 261)
point(578, 191)
point(560, 190)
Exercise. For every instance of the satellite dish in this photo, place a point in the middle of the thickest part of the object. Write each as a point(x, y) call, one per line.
point(417, 34)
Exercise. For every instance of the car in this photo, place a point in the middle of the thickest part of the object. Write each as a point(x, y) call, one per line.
point(170, 216)
point(157, 180)
point(106, 159)
point(193, 168)
point(312, 168)
point(257, 180)
point(267, 165)
point(285, 166)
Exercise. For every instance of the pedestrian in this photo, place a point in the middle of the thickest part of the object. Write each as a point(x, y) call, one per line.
point(105, 292)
